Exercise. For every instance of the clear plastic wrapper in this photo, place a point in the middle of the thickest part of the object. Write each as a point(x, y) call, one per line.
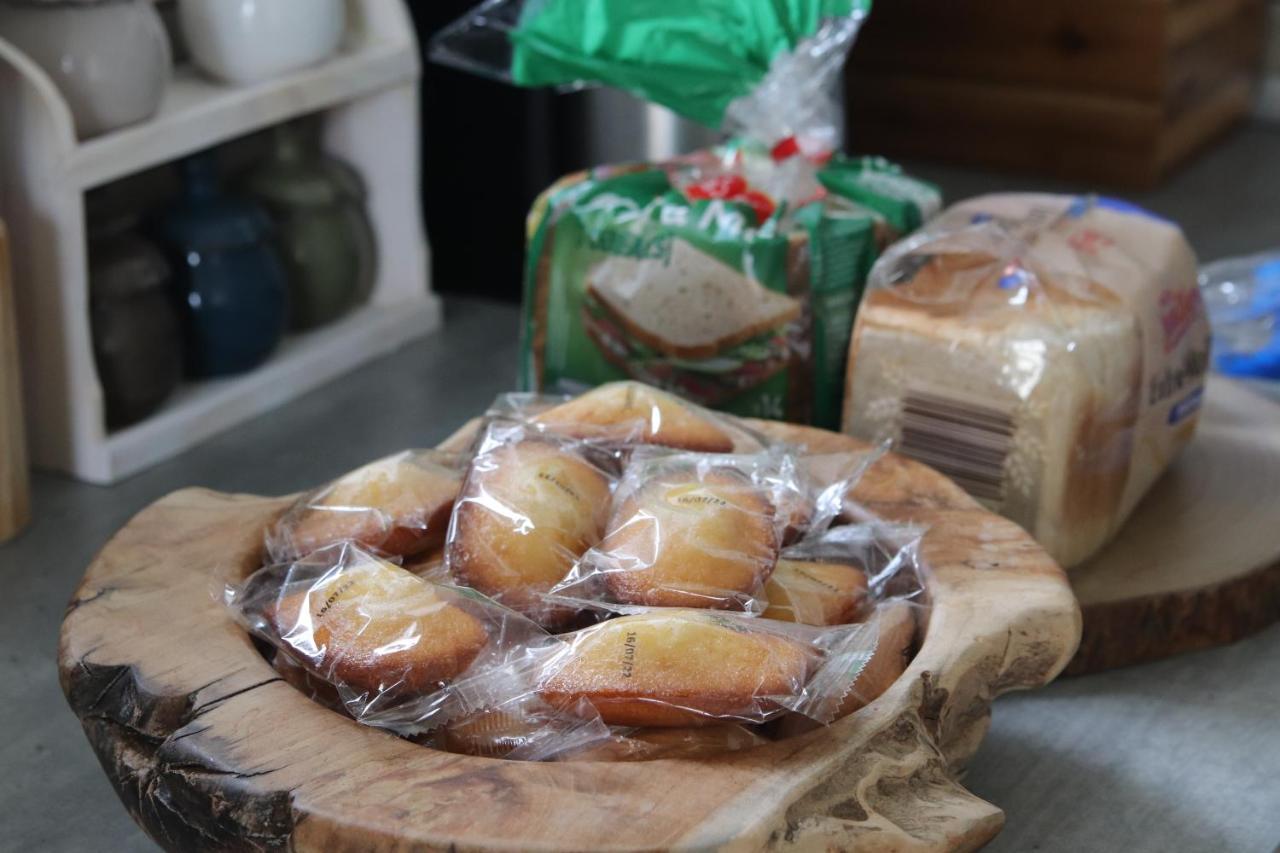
point(672, 667)
point(823, 484)
point(653, 744)
point(887, 553)
point(532, 504)
point(1243, 299)
point(525, 727)
point(895, 625)
point(761, 67)
point(688, 530)
point(397, 649)
point(816, 593)
point(629, 413)
point(1048, 353)
point(398, 506)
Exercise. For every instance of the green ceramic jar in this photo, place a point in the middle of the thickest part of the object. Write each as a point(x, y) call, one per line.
point(322, 230)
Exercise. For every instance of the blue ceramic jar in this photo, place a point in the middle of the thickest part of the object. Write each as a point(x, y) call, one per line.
point(230, 280)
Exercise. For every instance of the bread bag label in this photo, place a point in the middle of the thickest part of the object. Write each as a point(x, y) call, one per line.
point(706, 286)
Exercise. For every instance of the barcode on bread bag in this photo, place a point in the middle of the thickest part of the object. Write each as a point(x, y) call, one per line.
point(966, 440)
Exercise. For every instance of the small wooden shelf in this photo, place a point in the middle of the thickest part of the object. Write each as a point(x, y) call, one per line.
point(202, 409)
point(198, 112)
point(369, 95)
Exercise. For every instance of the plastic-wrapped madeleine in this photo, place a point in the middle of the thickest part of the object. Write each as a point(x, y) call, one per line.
point(671, 667)
point(679, 668)
point(812, 593)
point(531, 505)
point(630, 414)
point(389, 642)
point(398, 506)
point(686, 530)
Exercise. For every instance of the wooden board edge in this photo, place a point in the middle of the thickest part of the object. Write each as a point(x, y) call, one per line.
point(1177, 623)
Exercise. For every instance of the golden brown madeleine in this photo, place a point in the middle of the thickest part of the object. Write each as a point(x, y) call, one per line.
point(528, 510)
point(374, 626)
point(399, 506)
point(677, 668)
point(687, 538)
point(815, 593)
point(640, 413)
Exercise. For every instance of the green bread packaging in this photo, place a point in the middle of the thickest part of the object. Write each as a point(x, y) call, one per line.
point(730, 276)
point(629, 222)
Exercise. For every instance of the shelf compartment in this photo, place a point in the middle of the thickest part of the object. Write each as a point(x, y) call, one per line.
point(369, 95)
point(200, 410)
point(198, 113)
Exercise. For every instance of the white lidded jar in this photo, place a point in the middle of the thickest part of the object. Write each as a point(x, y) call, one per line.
point(247, 41)
point(110, 59)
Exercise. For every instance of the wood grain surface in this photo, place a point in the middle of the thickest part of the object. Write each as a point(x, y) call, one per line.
point(1198, 564)
point(15, 496)
point(209, 749)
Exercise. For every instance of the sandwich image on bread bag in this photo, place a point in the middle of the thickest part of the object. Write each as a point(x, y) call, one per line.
point(655, 273)
point(729, 276)
point(692, 323)
point(1048, 353)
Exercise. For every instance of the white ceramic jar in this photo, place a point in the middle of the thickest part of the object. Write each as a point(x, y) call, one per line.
point(110, 59)
point(246, 41)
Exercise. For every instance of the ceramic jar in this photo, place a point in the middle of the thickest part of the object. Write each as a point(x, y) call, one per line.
point(229, 278)
point(136, 342)
point(246, 41)
point(110, 58)
point(317, 205)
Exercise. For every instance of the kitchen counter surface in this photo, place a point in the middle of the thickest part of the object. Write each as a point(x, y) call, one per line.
point(1178, 755)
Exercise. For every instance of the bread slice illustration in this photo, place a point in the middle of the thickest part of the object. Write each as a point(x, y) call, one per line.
point(691, 324)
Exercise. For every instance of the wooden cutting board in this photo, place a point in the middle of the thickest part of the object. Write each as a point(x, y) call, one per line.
point(1198, 564)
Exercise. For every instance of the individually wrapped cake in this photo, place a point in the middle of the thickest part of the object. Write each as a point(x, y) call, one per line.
point(631, 413)
point(894, 625)
point(394, 646)
point(523, 726)
point(532, 504)
point(1048, 353)
point(816, 593)
point(672, 667)
point(687, 530)
point(398, 506)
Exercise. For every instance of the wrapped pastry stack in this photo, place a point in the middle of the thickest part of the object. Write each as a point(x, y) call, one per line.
point(619, 576)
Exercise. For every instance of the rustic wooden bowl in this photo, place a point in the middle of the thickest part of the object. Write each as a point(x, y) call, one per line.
point(210, 749)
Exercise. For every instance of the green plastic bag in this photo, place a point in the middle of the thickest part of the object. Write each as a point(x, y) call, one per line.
point(766, 69)
point(628, 277)
point(730, 276)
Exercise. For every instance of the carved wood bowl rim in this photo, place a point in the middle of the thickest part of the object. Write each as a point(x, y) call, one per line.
point(208, 748)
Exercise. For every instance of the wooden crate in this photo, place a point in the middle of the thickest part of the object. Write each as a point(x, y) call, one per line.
point(1111, 91)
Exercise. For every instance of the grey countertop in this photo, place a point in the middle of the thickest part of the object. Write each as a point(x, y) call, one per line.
point(1179, 755)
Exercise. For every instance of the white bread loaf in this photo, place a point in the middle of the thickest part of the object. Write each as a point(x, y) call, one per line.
point(1047, 353)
